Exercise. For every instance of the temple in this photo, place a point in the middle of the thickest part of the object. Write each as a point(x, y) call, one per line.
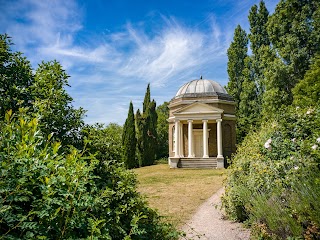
point(201, 126)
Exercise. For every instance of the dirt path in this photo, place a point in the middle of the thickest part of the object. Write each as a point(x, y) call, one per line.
point(208, 223)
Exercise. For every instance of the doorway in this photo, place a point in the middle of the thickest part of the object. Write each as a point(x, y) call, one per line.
point(198, 143)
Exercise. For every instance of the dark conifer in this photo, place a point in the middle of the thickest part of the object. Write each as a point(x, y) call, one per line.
point(129, 140)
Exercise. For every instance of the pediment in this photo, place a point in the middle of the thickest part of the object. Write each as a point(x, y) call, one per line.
point(198, 108)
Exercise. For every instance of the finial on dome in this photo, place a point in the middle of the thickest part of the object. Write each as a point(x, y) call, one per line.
point(200, 76)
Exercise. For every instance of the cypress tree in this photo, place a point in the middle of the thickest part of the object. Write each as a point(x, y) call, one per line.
point(129, 140)
point(140, 138)
point(151, 137)
point(147, 131)
point(146, 100)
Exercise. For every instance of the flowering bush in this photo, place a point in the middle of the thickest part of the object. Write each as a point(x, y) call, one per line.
point(274, 181)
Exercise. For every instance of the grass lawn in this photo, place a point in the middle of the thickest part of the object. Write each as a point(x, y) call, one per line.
point(177, 193)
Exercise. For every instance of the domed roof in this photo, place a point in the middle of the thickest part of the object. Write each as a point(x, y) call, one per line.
point(201, 87)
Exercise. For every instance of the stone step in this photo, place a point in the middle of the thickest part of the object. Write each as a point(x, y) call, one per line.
point(198, 163)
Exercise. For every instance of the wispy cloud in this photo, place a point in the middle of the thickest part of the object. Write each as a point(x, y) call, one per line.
point(113, 68)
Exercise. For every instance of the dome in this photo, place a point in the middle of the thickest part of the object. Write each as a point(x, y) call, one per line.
point(201, 87)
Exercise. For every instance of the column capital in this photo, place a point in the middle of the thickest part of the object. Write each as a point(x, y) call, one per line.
point(205, 120)
point(176, 120)
point(219, 120)
point(190, 120)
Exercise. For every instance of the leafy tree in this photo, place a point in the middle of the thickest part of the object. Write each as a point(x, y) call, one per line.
point(307, 92)
point(103, 141)
point(248, 109)
point(258, 36)
point(15, 78)
point(259, 44)
point(58, 116)
point(273, 182)
point(162, 130)
point(294, 31)
point(237, 52)
point(41, 92)
point(129, 140)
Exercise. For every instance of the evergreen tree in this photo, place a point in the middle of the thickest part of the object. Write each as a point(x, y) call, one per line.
point(151, 137)
point(147, 99)
point(140, 136)
point(129, 140)
point(237, 52)
point(147, 131)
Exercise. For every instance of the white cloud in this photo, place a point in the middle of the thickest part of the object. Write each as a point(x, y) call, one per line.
point(113, 68)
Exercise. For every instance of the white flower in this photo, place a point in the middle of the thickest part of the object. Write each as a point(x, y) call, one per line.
point(293, 139)
point(296, 167)
point(309, 111)
point(291, 158)
point(297, 108)
point(267, 144)
point(318, 139)
point(314, 147)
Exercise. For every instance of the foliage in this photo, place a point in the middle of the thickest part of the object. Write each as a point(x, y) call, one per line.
point(146, 131)
point(237, 52)
point(283, 46)
point(103, 141)
point(248, 110)
point(162, 130)
point(58, 116)
point(42, 91)
point(273, 172)
point(307, 91)
point(294, 32)
point(15, 78)
point(129, 140)
point(47, 195)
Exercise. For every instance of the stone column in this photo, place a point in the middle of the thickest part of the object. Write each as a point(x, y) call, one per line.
point(205, 138)
point(220, 159)
point(190, 139)
point(181, 140)
point(219, 137)
point(176, 137)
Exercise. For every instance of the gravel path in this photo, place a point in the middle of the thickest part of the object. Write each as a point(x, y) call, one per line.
point(208, 223)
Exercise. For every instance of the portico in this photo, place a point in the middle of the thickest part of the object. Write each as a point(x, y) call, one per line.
point(197, 127)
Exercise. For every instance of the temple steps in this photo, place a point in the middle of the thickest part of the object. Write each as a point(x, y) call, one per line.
point(198, 163)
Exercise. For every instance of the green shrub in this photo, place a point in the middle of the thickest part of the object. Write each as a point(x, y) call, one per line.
point(273, 182)
point(46, 195)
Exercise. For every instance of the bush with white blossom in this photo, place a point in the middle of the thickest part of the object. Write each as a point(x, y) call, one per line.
point(274, 181)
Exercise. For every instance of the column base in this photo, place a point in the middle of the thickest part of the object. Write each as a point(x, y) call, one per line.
point(220, 162)
point(173, 162)
point(205, 156)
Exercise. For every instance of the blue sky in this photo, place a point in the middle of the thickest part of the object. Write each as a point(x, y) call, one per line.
point(113, 49)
